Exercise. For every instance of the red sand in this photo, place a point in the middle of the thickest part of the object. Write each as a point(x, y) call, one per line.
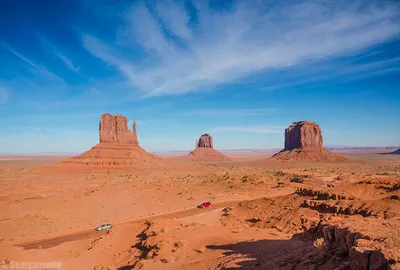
point(276, 232)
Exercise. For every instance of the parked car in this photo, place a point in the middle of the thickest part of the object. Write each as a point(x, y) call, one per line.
point(204, 205)
point(103, 227)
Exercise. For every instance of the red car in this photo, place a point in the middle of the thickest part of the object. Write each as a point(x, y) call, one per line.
point(204, 205)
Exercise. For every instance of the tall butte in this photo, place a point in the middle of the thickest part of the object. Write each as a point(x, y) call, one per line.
point(205, 151)
point(118, 148)
point(303, 141)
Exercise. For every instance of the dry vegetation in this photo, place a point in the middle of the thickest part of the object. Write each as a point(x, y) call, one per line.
point(264, 215)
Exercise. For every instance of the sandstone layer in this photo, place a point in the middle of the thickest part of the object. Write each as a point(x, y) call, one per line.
point(341, 220)
point(303, 141)
point(205, 151)
point(205, 141)
point(114, 129)
point(118, 148)
point(303, 134)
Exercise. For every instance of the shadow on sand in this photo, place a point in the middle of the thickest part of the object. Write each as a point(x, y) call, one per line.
point(270, 254)
point(310, 251)
point(302, 252)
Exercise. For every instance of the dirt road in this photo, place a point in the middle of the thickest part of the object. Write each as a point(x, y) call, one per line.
point(55, 241)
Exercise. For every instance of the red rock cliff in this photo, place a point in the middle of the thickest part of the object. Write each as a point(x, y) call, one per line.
point(114, 129)
point(205, 141)
point(303, 134)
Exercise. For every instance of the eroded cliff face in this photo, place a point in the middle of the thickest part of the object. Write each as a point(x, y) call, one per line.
point(114, 129)
point(303, 141)
point(205, 141)
point(118, 149)
point(303, 134)
point(205, 151)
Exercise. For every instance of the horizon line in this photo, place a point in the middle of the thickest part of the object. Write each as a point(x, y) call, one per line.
point(185, 150)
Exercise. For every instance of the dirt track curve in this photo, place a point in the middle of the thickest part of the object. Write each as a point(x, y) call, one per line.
point(55, 241)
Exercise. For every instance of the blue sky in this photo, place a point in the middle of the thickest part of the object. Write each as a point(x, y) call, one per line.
point(242, 71)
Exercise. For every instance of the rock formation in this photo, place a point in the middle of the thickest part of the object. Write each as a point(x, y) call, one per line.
point(118, 148)
point(205, 141)
point(303, 141)
point(303, 134)
point(114, 129)
point(205, 151)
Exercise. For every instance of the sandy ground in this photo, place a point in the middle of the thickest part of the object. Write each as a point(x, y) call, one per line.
point(37, 206)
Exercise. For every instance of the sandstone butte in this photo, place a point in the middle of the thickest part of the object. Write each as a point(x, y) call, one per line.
point(303, 141)
point(205, 151)
point(118, 148)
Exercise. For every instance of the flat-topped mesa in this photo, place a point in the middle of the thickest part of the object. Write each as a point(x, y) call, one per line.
point(303, 141)
point(205, 141)
point(303, 134)
point(114, 129)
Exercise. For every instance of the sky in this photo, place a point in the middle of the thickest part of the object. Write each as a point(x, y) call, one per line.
point(242, 71)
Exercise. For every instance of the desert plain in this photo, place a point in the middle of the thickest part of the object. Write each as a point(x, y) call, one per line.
point(267, 212)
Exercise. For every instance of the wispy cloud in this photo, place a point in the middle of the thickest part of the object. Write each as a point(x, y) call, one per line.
point(341, 73)
point(53, 129)
point(184, 51)
point(248, 129)
point(43, 71)
point(68, 62)
point(226, 112)
point(92, 90)
point(56, 51)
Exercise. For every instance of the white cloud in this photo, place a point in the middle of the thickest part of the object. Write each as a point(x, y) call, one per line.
point(223, 47)
point(41, 70)
point(249, 129)
point(68, 62)
point(226, 112)
point(360, 71)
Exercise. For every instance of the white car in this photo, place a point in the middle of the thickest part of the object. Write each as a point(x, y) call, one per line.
point(103, 227)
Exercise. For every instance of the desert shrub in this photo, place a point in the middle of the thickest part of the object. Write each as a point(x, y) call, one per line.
point(180, 244)
point(200, 250)
point(139, 264)
point(157, 232)
point(319, 242)
point(279, 173)
point(310, 170)
point(340, 177)
point(159, 245)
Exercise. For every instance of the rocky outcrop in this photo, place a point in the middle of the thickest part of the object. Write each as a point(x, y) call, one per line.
point(303, 141)
point(332, 229)
point(205, 151)
point(118, 149)
point(321, 194)
point(205, 141)
point(344, 247)
point(114, 129)
point(303, 134)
